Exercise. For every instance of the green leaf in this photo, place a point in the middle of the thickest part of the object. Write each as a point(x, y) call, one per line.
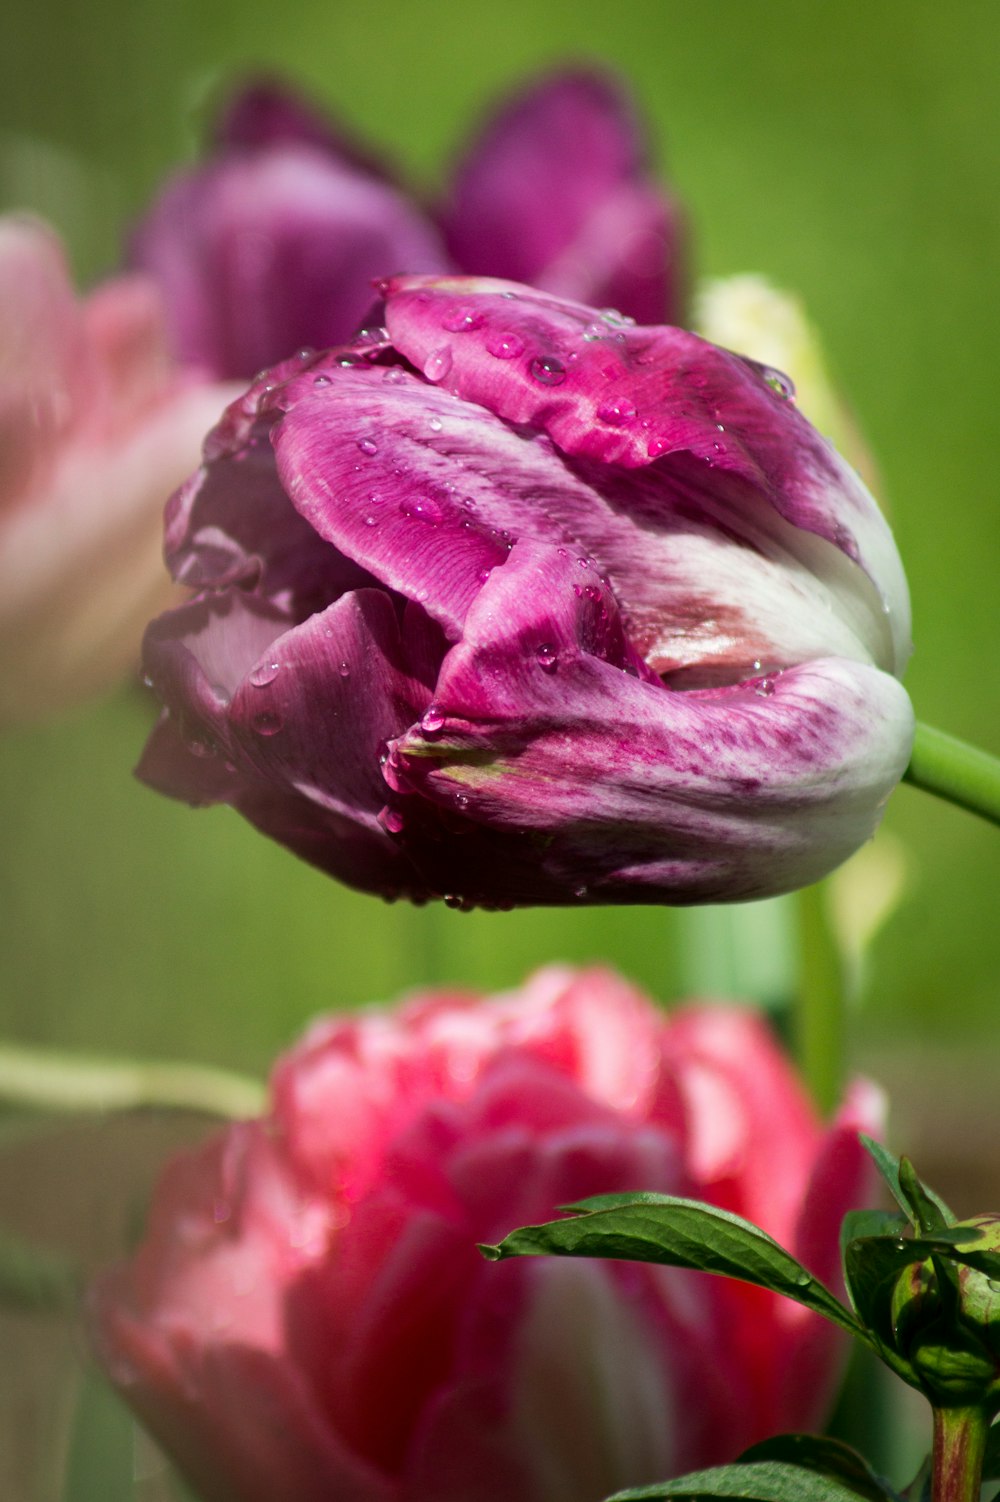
point(889, 1168)
point(676, 1233)
point(831, 1457)
point(758, 1481)
point(928, 1212)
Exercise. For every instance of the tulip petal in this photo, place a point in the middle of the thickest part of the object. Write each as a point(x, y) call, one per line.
point(668, 796)
point(712, 424)
point(280, 706)
point(429, 497)
point(259, 253)
point(553, 192)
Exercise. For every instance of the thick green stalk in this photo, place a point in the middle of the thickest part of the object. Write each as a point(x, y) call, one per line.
point(957, 1458)
point(961, 774)
point(819, 1018)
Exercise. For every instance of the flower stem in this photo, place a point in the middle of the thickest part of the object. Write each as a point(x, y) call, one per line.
point(52, 1081)
point(819, 1018)
point(962, 774)
point(959, 1447)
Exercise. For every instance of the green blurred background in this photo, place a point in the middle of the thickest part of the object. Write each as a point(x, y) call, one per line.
point(849, 153)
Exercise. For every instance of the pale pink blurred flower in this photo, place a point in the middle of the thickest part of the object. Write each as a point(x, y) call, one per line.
point(97, 427)
point(308, 1316)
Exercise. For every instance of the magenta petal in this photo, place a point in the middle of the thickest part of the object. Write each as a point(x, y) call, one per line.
point(667, 796)
point(555, 192)
point(632, 398)
point(263, 251)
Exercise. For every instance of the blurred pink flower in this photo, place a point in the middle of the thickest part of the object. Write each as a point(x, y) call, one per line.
point(308, 1316)
point(96, 428)
point(273, 242)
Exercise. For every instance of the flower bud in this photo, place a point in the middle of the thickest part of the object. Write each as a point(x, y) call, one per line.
point(946, 1324)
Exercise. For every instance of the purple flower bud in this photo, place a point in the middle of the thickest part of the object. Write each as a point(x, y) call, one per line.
point(523, 603)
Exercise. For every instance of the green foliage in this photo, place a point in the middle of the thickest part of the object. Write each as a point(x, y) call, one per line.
point(676, 1233)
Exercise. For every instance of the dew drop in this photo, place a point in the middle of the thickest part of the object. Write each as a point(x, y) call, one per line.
point(505, 346)
point(779, 382)
point(462, 320)
point(422, 509)
point(391, 820)
point(377, 334)
point(616, 413)
point(435, 424)
point(264, 674)
point(438, 364)
point(461, 801)
point(546, 657)
point(547, 370)
point(612, 315)
point(371, 521)
point(322, 380)
point(594, 331)
point(765, 688)
point(432, 720)
point(655, 447)
point(344, 670)
point(266, 722)
point(368, 446)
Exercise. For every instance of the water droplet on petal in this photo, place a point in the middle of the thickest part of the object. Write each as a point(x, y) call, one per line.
point(432, 720)
point(547, 370)
point(422, 509)
point(765, 688)
point(322, 380)
point(376, 335)
point(546, 657)
point(594, 331)
point(344, 670)
point(462, 320)
point(656, 446)
point(779, 382)
point(438, 364)
point(368, 446)
point(371, 521)
point(461, 800)
point(616, 413)
point(391, 820)
point(435, 424)
point(612, 315)
point(505, 346)
point(266, 722)
point(264, 674)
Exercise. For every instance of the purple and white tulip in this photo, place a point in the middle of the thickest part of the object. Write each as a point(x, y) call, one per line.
point(518, 602)
point(272, 243)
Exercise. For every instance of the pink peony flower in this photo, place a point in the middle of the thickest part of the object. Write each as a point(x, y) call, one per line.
point(96, 428)
point(308, 1316)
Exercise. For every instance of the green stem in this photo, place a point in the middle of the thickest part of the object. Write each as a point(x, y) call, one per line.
point(62, 1082)
point(957, 1459)
point(952, 770)
point(820, 1015)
